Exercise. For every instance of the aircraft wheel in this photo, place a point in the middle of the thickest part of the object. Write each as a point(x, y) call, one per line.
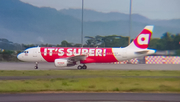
point(84, 67)
point(36, 67)
point(79, 67)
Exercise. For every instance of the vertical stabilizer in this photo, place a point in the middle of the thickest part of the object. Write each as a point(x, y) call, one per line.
point(143, 39)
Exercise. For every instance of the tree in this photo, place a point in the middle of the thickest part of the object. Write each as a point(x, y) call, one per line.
point(93, 41)
point(155, 43)
point(176, 41)
point(107, 41)
point(64, 43)
point(167, 41)
point(77, 45)
point(28, 46)
point(6, 55)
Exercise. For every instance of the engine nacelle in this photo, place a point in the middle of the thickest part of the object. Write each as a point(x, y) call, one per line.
point(63, 63)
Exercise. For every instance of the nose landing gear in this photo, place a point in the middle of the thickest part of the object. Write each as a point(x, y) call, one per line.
point(36, 66)
point(82, 67)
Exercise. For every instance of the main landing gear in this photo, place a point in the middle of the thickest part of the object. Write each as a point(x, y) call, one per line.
point(82, 67)
point(36, 66)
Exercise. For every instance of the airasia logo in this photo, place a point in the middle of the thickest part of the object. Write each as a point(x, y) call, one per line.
point(60, 62)
point(143, 39)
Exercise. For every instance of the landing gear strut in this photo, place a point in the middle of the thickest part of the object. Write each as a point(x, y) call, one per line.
point(82, 67)
point(36, 66)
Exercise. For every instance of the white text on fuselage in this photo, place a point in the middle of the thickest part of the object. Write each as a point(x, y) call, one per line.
point(74, 51)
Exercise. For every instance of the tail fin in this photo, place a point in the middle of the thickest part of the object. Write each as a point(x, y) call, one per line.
point(143, 39)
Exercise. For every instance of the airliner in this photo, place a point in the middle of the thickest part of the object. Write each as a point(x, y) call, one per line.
point(70, 56)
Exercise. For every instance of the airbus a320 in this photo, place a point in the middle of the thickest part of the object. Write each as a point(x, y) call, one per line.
point(69, 56)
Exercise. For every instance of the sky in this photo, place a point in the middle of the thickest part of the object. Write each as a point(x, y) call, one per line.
point(152, 9)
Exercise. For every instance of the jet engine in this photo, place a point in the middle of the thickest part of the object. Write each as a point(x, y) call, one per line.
point(64, 63)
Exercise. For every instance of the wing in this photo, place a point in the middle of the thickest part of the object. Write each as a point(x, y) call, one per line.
point(77, 58)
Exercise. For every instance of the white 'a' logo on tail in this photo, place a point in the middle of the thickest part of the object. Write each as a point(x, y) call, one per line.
point(143, 39)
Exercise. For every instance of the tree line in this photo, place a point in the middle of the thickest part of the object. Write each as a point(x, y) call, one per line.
point(168, 41)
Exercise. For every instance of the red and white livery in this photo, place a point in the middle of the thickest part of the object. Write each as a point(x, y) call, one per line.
point(67, 56)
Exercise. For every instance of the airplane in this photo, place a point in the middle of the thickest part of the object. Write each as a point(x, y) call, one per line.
point(69, 56)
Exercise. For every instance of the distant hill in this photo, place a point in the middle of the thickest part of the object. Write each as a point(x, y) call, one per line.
point(90, 15)
point(8, 45)
point(23, 23)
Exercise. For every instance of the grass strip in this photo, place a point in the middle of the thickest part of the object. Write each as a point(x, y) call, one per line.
point(89, 73)
point(99, 84)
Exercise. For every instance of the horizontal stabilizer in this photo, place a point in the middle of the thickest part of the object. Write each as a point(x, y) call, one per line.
point(142, 52)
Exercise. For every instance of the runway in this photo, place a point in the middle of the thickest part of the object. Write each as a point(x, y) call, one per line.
point(102, 66)
point(91, 97)
point(50, 66)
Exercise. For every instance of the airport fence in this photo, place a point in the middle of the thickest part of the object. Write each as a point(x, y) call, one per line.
point(162, 59)
point(153, 60)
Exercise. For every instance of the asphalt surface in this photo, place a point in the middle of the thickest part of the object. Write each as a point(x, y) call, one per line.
point(91, 97)
point(106, 66)
point(50, 66)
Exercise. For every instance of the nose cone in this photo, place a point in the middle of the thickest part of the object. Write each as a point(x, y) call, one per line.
point(19, 56)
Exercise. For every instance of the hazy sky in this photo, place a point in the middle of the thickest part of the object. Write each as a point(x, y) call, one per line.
point(153, 9)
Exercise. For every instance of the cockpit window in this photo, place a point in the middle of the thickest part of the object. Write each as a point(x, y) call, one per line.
point(26, 51)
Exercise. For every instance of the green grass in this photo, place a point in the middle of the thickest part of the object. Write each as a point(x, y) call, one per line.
point(99, 84)
point(99, 81)
point(89, 73)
